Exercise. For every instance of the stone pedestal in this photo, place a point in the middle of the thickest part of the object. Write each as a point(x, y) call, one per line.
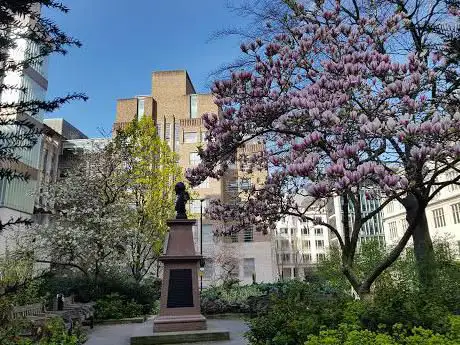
point(180, 297)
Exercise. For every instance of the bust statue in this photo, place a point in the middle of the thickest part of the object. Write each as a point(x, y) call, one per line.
point(181, 199)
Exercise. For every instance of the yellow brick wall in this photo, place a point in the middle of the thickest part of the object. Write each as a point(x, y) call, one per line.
point(170, 102)
point(126, 110)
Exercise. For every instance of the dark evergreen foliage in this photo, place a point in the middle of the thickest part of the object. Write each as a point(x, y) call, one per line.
point(22, 20)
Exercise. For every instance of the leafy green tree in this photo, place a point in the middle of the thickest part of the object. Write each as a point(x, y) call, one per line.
point(153, 171)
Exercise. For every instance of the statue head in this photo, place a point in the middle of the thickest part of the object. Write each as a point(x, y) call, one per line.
point(179, 188)
point(181, 199)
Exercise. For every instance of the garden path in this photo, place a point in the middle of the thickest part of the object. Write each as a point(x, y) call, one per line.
point(121, 334)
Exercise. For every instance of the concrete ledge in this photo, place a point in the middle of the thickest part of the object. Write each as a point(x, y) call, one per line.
point(139, 319)
point(181, 337)
point(179, 323)
point(228, 316)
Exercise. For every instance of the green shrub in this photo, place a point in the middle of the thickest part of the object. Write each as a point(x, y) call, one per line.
point(113, 306)
point(296, 310)
point(235, 299)
point(146, 293)
point(350, 335)
point(55, 333)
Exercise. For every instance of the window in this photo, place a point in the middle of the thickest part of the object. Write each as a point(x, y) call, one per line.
point(190, 137)
point(245, 184)
point(249, 267)
point(203, 136)
point(318, 220)
point(208, 235)
point(305, 231)
point(285, 257)
point(159, 130)
point(390, 207)
point(234, 237)
point(286, 273)
point(306, 258)
point(404, 224)
point(53, 163)
point(393, 229)
point(232, 186)
point(176, 136)
point(283, 231)
point(284, 244)
point(140, 108)
point(194, 158)
point(193, 106)
point(320, 256)
point(456, 212)
point(438, 217)
point(450, 176)
point(248, 235)
point(306, 244)
point(293, 230)
point(296, 272)
point(318, 231)
point(168, 132)
point(195, 206)
point(319, 243)
point(45, 161)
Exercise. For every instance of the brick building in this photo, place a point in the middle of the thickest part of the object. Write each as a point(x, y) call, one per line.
point(176, 108)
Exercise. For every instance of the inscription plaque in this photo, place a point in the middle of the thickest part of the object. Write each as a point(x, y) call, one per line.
point(180, 293)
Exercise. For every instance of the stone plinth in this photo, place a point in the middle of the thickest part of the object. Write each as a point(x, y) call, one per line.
point(180, 297)
point(184, 337)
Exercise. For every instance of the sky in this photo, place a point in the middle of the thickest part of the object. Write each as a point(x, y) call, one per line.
point(125, 41)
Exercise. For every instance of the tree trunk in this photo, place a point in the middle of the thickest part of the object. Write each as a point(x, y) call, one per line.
point(423, 246)
point(423, 251)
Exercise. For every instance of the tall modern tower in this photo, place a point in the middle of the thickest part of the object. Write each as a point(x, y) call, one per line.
point(17, 197)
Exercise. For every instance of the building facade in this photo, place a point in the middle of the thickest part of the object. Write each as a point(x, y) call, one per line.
point(442, 213)
point(298, 246)
point(373, 229)
point(176, 108)
point(17, 197)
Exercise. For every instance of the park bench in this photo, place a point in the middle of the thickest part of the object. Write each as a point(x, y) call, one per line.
point(26, 311)
point(37, 313)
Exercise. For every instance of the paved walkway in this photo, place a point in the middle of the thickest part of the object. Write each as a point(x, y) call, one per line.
point(121, 334)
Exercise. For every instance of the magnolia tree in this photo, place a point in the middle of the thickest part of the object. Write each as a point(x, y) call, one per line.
point(346, 98)
point(86, 228)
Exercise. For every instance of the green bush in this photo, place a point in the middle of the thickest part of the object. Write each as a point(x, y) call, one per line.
point(113, 306)
point(296, 310)
point(350, 335)
point(146, 293)
point(234, 299)
point(398, 310)
point(55, 333)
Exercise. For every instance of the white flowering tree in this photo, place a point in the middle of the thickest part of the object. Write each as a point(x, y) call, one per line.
point(111, 207)
point(86, 228)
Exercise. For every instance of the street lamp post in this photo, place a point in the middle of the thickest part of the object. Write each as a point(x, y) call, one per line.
point(201, 244)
